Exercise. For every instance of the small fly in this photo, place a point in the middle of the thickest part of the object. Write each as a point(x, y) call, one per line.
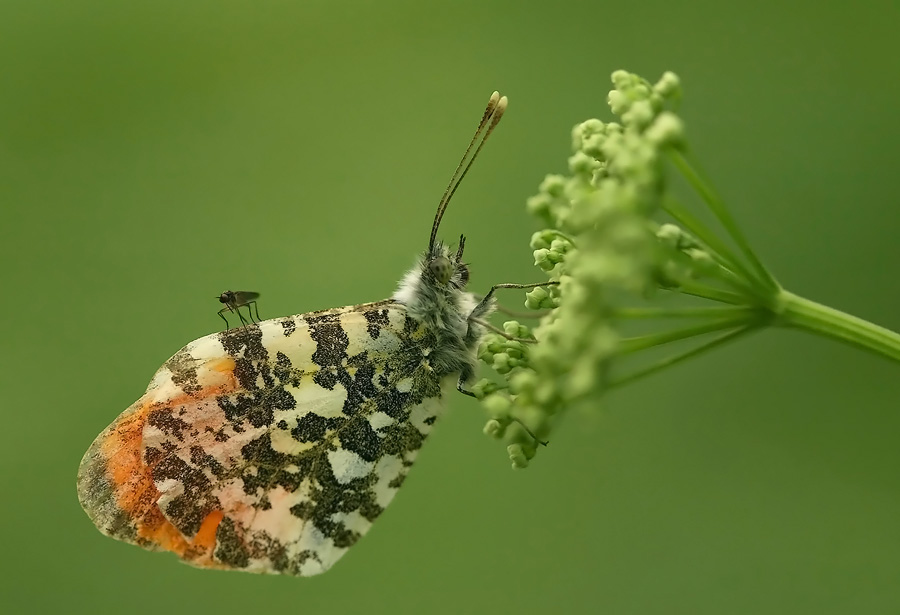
point(234, 300)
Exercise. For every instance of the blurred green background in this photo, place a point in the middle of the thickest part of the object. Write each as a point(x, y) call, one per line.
point(154, 154)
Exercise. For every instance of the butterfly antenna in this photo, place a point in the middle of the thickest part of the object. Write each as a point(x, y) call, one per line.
point(492, 114)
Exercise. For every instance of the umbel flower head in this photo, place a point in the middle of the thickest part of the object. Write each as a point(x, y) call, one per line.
point(634, 269)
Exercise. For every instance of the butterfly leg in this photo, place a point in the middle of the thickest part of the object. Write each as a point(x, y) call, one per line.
point(485, 324)
point(516, 313)
point(482, 309)
point(460, 386)
point(487, 303)
point(484, 306)
point(464, 377)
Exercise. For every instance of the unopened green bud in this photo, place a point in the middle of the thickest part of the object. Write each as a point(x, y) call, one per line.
point(618, 102)
point(666, 130)
point(543, 239)
point(668, 86)
point(501, 363)
point(497, 404)
point(539, 299)
point(515, 329)
point(554, 185)
point(704, 263)
point(517, 346)
point(622, 79)
point(586, 132)
point(542, 259)
point(560, 245)
point(522, 382)
point(494, 429)
point(496, 343)
point(593, 146)
point(491, 345)
point(669, 235)
point(536, 295)
point(517, 456)
point(540, 205)
point(640, 114)
point(582, 164)
point(674, 237)
point(483, 388)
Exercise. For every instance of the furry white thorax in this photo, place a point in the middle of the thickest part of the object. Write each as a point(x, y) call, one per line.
point(445, 310)
point(406, 291)
point(421, 303)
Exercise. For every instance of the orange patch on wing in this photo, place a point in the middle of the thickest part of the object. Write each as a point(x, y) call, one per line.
point(124, 466)
point(225, 365)
point(135, 492)
point(206, 535)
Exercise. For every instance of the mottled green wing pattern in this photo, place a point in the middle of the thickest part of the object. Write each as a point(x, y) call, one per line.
point(271, 447)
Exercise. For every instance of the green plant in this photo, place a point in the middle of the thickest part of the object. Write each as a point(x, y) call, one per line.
point(616, 266)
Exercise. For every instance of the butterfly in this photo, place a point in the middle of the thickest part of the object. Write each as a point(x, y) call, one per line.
point(273, 447)
point(234, 300)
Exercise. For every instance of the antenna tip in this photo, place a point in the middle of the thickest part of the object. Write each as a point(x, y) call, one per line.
point(501, 104)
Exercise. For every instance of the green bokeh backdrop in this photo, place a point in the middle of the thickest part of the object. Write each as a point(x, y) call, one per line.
point(154, 154)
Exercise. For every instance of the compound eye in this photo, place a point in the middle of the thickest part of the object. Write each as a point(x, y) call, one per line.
point(441, 270)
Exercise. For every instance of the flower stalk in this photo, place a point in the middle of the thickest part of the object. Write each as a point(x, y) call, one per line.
point(800, 313)
point(630, 282)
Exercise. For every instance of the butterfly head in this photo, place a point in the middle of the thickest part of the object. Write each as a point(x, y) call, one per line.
point(444, 268)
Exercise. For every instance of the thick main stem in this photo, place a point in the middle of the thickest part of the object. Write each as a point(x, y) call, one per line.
point(801, 313)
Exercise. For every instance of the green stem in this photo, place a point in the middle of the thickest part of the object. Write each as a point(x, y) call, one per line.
point(678, 312)
point(717, 205)
point(717, 248)
point(804, 314)
point(634, 344)
point(693, 352)
point(708, 292)
point(751, 288)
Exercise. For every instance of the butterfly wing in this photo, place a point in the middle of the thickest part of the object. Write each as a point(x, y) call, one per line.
point(269, 448)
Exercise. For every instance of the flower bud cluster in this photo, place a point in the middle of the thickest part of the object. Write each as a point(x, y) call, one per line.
point(599, 244)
